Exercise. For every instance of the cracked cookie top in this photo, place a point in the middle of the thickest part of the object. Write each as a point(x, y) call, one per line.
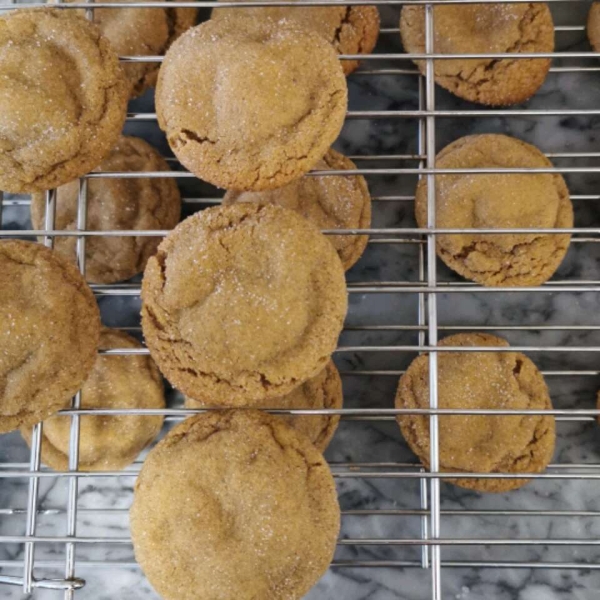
point(264, 108)
point(498, 201)
point(49, 330)
point(480, 443)
point(255, 500)
point(322, 391)
point(330, 202)
point(107, 443)
point(63, 98)
point(142, 32)
point(484, 29)
point(243, 303)
point(116, 203)
point(350, 29)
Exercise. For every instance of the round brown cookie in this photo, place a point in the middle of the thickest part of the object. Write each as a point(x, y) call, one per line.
point(330, 202)
point(255, 500)
point(116, 203)
point(142, 32)
point(480, 443)
point(484, 29)
point(49, 329)
point(265, 107)
point(499, 201)
point(63, 98)
point(108, 443)
point(593, 26)
point(322, 391)
point(350, 29)
point(243, 303)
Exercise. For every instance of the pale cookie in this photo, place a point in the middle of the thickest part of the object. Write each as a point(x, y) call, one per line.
point(113, 204)
point(243, 303)
point(234, 505)
point(330, 202)
point(49, 330)
point(480, 443)
point(498, 201)
point(593, 26)
point(350, 29)
point(109, 442)
point(265, 107)
point(63, 98)
point(322, 391)
point(142, 32)
point(484, 29)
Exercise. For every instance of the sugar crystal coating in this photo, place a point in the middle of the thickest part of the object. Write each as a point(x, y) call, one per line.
point(63, 98)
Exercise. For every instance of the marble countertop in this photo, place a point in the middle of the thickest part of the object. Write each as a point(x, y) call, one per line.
point(103, 502)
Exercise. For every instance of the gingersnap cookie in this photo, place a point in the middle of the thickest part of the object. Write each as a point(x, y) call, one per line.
point(593, 26)
point(498, 201)
point(350, 29)
point(63, 98)
point(264, 108)
point(330, 202)
point(480, 443)
point(322, 391)
point(142, 32)
point(109, 442)
point(243, 303)
point(49, 329)
point(116, 203)
point(257, 512)
point(484, 29)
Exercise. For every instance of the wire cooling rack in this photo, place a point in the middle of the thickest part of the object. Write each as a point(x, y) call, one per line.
point(425, 283)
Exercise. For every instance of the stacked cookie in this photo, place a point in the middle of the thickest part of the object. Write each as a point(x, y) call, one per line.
point(242, 304)
point(264, 110)
point(49, 334)
point(51, 327)
point(51, 138)
point(256, 510)
point(50, 337)
point(242, 307)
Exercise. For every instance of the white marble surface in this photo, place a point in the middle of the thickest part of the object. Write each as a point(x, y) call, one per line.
point(578, 442)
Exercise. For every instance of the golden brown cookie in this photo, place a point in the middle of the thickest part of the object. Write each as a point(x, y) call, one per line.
point(109, 442)
point(330, 202)
point(350, 29)
point(116, 203)
point(484, 29)
point(243, 303)
point(257, 512)
point(264, 108)
point(593, 26)
point(480, 443)
point(142, 32)
point(322, 391)
point(63, 98)
point(498, 201)
point(49, 329)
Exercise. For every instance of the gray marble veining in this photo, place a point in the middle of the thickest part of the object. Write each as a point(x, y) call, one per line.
point(381, 441)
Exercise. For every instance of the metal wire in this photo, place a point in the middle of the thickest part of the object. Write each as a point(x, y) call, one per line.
point(427, 289)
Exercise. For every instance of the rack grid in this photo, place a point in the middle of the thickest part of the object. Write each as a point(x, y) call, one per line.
point(428, 285)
